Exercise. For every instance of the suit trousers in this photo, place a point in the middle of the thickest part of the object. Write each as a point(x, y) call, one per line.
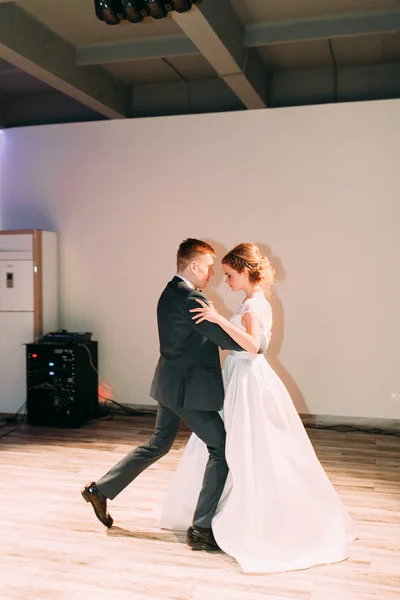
point(208, 426)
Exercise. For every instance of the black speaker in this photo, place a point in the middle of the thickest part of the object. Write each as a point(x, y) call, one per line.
point(62, 383)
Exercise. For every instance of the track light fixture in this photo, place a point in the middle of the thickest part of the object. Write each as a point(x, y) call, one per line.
point(113, 12)
point(132, 11)
point(182, 6)
point(156, 8)
point(105, 11)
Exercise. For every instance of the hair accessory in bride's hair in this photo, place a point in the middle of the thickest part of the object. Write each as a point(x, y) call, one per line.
point(249, 257)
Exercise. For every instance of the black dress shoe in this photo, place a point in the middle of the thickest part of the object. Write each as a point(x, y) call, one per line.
point(199, 538)
point(92, 494)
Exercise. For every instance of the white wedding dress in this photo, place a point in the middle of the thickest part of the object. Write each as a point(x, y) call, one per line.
point(279, 511)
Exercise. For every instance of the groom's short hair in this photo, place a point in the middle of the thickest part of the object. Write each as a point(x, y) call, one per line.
point(189, 250)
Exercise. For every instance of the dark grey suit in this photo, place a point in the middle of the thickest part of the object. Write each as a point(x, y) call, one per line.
point(188, 386)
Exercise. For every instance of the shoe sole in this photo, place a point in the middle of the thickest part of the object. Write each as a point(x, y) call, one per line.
point(86, 496)
point(196, 547)
point(206, 548)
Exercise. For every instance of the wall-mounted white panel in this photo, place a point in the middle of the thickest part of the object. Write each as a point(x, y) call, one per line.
point(16, 242)
point(16, 254)
point(16, 285)
point(16, 330)
point(28, 305)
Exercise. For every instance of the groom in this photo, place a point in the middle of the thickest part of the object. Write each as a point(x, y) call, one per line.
point(188, 387)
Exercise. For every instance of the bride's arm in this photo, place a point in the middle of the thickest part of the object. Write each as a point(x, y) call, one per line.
point(250, 339)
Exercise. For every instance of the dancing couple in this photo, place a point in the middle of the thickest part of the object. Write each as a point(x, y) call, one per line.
point(249, 482)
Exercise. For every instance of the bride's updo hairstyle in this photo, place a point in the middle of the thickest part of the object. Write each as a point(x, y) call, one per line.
point(248, 257)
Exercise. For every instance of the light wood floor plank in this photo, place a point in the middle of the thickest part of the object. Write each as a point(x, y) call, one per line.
point(53, 547)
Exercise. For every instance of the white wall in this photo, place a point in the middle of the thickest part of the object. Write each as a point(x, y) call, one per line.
point(317, 187)
point(2, 145)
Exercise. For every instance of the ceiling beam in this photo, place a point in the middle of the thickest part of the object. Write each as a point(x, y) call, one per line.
point(216, 30)
point(262, 34)
point(153, 47)
point(28, 45)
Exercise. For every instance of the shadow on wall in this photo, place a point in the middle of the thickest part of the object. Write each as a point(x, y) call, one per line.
point(278, 333)
point(278, 318)
point(18, 214)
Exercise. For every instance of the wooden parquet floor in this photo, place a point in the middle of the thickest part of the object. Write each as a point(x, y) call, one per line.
point(52, 546)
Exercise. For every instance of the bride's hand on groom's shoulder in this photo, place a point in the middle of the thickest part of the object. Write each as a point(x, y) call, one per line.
point(205, 313)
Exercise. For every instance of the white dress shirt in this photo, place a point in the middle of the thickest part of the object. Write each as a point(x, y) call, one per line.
point(186, 281)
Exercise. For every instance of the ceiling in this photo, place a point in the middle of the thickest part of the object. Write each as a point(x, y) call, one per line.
point(59, 63)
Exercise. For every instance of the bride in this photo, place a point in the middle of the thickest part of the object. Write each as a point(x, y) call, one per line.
point(279, 511)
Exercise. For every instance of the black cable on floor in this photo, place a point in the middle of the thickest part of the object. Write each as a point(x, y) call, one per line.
point(352, 429)
point(130, 411)
point(13, 420)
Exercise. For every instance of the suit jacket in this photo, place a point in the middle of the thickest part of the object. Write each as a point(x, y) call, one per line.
point(188, 373)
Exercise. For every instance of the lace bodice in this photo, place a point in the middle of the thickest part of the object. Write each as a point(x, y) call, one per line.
point(260, 306)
